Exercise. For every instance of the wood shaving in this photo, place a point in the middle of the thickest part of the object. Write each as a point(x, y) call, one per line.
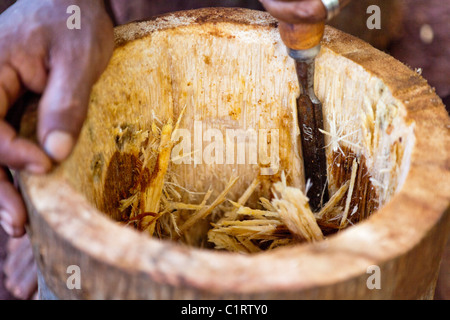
point(350, 192)
point(158, 209)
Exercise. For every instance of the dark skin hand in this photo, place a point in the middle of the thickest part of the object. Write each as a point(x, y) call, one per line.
point(39, 53)
point(296, 11)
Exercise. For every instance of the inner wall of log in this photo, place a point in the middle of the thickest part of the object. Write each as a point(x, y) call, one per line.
point(227, 79)
point(362, 118)
point(230, 78)
point(364, 200)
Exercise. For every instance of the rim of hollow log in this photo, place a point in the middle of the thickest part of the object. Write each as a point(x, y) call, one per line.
point(398, 227)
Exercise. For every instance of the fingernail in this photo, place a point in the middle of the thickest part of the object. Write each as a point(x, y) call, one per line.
point(5, 216)
point(7, 228)
point(6, 222)
point(58, 145)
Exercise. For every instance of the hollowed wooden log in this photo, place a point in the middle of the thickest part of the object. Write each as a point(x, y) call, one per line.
point(227, 68)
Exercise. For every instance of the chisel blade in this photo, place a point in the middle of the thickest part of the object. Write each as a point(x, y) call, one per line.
point(310, 120)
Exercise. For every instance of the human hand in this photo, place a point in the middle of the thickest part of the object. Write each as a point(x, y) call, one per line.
point(39, 53)
point(296, 11)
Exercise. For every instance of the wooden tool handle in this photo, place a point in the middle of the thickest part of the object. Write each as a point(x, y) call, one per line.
point(301, 36)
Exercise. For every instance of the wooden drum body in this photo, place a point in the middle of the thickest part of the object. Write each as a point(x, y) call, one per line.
point(226, 69)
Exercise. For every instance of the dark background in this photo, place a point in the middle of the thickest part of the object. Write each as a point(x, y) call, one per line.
point(401, 24)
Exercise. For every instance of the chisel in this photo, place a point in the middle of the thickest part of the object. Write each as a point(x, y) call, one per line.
point(303, 44)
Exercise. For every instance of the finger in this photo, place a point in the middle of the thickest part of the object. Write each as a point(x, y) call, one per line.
point(30, 66)
point(18, 251)
point(21, 154)
point(12, 209)
point(23, 282)
point(63, 108)
point(12, 245)
point(296, 12)
point(10, 87)
point(20, 270)
point(16, 152)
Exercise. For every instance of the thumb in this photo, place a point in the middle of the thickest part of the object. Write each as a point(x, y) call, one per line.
point(62, 109)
